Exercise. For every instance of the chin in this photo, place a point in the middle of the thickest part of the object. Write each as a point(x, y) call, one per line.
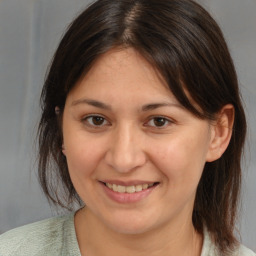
point(130, 230)
point(130, 225)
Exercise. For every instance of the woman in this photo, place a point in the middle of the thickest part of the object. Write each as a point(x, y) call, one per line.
point(143, 126)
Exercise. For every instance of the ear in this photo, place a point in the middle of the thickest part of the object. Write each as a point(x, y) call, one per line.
point(221, 132)
point(63, 150)
point(57, 110)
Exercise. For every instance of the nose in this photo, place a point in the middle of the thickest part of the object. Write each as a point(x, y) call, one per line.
point(125, 152)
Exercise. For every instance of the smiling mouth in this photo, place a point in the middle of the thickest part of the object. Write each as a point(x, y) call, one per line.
point(130, 189)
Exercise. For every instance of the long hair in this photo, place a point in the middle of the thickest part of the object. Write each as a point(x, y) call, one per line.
point(184, 43)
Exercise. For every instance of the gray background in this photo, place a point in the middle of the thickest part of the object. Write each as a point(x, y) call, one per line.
point(29, 34)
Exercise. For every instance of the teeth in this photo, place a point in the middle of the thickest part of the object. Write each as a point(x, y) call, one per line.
point(109, 185)
point(115, 187)
point(139, 188)
point(121, 189)
point(144, 186)
point(128, 189)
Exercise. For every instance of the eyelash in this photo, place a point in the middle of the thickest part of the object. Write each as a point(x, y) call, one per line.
point(86, 121)
point(166, 121)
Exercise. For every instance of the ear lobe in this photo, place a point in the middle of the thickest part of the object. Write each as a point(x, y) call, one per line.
point(221, 133)
point(57, 110)
point(63, 149)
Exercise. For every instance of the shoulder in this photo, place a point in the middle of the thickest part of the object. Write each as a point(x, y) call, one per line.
point(210, 249)
point(40, 238)
point(243, 251)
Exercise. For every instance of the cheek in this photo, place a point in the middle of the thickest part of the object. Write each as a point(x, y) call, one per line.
point(83, 156)
point(181, 161)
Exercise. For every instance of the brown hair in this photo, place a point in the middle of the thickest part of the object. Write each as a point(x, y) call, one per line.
point(183, 42)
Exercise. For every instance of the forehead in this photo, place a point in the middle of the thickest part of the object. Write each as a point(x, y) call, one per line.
point(124, 71)
point(121, 61)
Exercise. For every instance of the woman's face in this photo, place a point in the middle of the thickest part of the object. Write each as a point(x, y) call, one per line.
point(134, 154)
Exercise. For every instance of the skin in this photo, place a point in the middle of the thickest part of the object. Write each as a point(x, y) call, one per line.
point(129, 143)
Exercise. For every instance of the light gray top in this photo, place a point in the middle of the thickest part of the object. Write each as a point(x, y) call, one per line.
point(56, 236)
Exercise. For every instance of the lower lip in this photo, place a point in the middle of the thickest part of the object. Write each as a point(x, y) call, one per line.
point(125, 198)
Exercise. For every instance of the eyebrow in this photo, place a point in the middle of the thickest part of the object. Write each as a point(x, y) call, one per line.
point(153, 106)
point(91, 102)
point(144, 108)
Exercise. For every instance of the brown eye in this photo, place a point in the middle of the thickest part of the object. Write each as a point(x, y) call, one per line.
point(96, 121)
point(159, 122)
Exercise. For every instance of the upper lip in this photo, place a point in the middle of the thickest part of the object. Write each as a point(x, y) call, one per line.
point(128, 183)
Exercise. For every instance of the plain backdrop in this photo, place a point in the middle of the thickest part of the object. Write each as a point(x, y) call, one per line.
point(29, 33)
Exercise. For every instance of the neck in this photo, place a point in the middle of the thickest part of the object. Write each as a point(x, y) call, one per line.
point(95, 238)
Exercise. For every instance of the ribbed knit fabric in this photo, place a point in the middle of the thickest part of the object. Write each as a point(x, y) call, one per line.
point(56, 237)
